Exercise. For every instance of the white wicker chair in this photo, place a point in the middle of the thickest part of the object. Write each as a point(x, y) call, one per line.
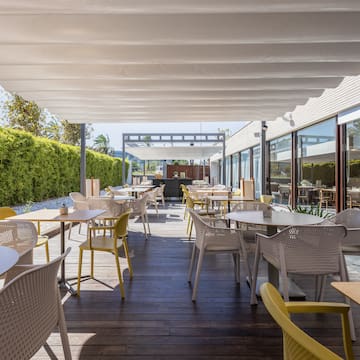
point(350, 218)
point(152, 199)
point(22, 237)
point(160, 194)
point(30, 309)
point(138, 208)
point(307, 250)
point(79, 203)
point(215, 239)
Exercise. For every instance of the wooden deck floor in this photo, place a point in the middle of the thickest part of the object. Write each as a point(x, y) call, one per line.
point(158, 320)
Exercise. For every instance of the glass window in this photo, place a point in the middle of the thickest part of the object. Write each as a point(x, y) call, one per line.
point(235, 171)
point(352, 172)
point(228, 170)
point(280, 169)
point(316, 149)
point(245, 164)
point(257, 171)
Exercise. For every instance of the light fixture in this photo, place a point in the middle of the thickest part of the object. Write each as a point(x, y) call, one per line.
point(289, 118)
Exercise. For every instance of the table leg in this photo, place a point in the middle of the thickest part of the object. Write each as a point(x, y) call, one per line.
point(62, 281)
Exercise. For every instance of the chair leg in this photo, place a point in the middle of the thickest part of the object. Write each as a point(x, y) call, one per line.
point(70, 227)
point(190, 230)
point(253, 299)
point(79, 271)
point(143, 221)
point(126, 250)
point(92, 264)
point(121, 282)
point(197, 274)
point(147, 221)
point(63, 330)
point(191, 266)
point(47, 254)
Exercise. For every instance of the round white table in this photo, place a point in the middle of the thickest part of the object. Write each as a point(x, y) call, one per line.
point(8, 258)
point(277, 219)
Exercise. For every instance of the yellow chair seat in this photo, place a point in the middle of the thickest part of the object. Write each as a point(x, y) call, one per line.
point(42, 240)
point(101, 243)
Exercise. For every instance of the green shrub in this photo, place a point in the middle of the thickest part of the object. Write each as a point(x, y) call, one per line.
point(35, 169)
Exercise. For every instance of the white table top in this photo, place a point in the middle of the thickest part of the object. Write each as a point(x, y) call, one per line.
point(54, 215)
point(278, 218)
point(351, 289)
point(8, 258)
point(226, 198)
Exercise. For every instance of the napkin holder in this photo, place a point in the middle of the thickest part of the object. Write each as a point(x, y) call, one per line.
point(64, 210)
point(267, 213)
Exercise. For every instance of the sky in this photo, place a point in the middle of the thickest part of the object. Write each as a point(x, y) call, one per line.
point(115, 131)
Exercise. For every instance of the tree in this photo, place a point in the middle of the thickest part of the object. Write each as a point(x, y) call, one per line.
point(25, 115)
point(102, 144)
point(53, 129)
point(70, 133)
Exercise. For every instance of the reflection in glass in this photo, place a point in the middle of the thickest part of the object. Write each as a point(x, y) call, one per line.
point(245, 164)
point(280, 169)
point(235, 171)
point(316, 165)
point(352, 172)
point(228, 170)
point(257, 171)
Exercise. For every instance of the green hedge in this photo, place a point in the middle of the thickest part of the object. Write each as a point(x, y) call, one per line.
point(35, 169)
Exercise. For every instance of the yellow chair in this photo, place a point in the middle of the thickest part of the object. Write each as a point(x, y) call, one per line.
point(296, 343)
point(110, 239)
point(41, 240)
point(267, 199)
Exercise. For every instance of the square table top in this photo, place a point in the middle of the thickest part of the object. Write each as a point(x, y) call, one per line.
point(350, 289)
point(54, 215)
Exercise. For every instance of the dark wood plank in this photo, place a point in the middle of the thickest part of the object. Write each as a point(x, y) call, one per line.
point(158, 320)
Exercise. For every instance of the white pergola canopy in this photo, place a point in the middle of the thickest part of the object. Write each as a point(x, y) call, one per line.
point(176, 60)
point(179, 146)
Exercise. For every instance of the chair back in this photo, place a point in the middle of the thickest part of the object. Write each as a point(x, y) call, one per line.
point(214, 238)
point(121, 225)
point(249, 206)
point(297, 345)
point(6, 212)
point(350, 218)
point(139, 205)
point(79, 201)
point(111, 207)
point(18, 234)
point(313, 249)
point(30, 309)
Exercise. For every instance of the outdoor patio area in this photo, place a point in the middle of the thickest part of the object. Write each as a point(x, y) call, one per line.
point(158, 320)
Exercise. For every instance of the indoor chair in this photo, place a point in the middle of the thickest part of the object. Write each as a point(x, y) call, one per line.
point(212, 238)
point(41, 239)
point(108, 239)
point(297, 344)
point(30, 309)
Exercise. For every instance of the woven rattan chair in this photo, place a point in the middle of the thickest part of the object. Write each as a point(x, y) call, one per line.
point(152, 199)
point(298, 345)
point(350, 218)
point(215, 239)
point(20, 236)
point(307, 250)
point(42, 240)
point(79, 203)
point(30, 309)
point(138, 208)
point(108, 239)
point(160, 194)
